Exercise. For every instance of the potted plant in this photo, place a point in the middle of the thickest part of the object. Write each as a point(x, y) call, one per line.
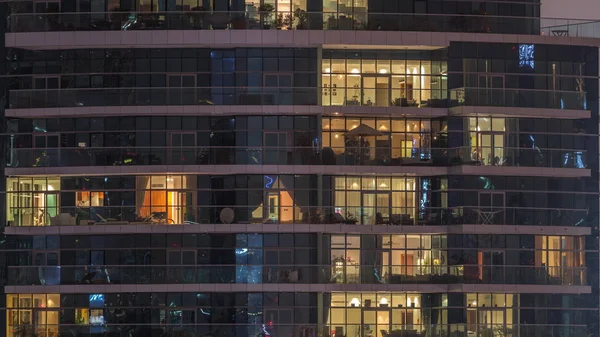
point(115, 18)
point(198, 15)
point(288, 21)
point(316, 216)
point(266, 11)
point(284, 21)
point(302, 19)
point(238, 21)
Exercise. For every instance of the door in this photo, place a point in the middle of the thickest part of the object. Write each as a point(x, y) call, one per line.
point(276, 150)
point(369, 204)
point(51, 210)
point(278, 89)
point(491, 208)
point(376, 90)
point(272, 208)
point(490, 322)
point(186, 209)
point(491, 90)
point(375, 208)
point(46, 151)
point(279, 266)
point(491, 266)
point(182, 148)
point(46, 140)
point(385, 269)
point(46, 82)
point(491, 148)
point(47, 17)
point(177, 208)
point(376, 322)
point(181, 266)
point(47, 90)
point(41, 6)
point(182, 89)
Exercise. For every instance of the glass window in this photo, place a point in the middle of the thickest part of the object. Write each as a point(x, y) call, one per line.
point(369, 66)
point(32, 202)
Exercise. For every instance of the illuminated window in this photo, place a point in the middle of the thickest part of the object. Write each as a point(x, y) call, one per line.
point(375, 201)
point(32, 314)
point(165, 199)
point(32, 201)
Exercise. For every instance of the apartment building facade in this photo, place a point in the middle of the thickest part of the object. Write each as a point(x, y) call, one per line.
point(346, 168)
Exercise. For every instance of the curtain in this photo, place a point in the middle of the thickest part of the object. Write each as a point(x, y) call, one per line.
point(141, 186)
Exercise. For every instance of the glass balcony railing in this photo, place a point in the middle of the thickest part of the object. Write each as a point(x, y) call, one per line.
point(22, 99)
point(500, 328)
point(506, 97)
point(570, 27)
point(126, 21)
point(298, 274)
point(265, 155)
point(396, 327)
point(391, 215)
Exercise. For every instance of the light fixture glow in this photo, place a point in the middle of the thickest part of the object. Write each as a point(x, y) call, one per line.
point(383, 301)
point(327, 70)
point(355, 302)
point(383, 71)
point(355, 71)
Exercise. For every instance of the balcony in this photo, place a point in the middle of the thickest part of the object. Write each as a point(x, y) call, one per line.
point(524, 98)
point(269, 155)
point(501, 328)
point(299, 20)
point(27, 99)
point(296, 274)
point(286, 214)
point(131, 21)
point(194, 96)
